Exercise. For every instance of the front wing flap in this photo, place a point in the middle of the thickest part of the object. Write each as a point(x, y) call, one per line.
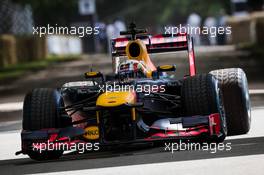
point(192, 127)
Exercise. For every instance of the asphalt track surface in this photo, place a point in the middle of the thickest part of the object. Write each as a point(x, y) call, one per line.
point(245, 157)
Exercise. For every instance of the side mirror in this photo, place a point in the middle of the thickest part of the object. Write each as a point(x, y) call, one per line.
point(166, 68)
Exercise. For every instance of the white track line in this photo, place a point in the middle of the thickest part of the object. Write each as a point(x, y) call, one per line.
point(256, 91)
point(11, 139)
point(217, 166)
point(8, 123)
point(9, 107)
point(10, 143)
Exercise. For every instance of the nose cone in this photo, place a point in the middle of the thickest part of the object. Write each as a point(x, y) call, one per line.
point(114, 99)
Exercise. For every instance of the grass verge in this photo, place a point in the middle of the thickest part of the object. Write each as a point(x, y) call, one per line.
point(18, 70)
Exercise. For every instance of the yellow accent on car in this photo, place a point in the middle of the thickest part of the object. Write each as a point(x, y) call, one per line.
point(97, 117)
point(113, 99)
point(91, 74)
point(133, 114)
point(137, 50)
point(137, 45)
point(91, 133)
point(165, 67)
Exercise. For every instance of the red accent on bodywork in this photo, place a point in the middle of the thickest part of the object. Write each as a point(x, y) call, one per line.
point(78, 117)
point(214, 128)
point(191, 56)
point(63, 139)
point(192, 63)
point(160, 39)
point(154, 42)
point(53, 137)
point(121, 39)
point(215, 124)
point(190, 132)
point(162, 43)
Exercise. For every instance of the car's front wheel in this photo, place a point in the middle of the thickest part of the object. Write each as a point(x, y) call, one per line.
point(233, 84)
point(201, 96)
point(41, 111)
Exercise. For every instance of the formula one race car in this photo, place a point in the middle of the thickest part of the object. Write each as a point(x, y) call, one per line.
point(138, 103)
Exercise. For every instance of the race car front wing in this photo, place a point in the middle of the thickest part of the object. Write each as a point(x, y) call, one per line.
point(171, 129)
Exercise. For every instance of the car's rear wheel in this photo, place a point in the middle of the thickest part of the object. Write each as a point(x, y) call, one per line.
point(40, 111)
point(234, 86)
point(200, 96)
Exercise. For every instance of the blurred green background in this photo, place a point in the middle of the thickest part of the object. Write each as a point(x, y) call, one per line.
point(21, 50)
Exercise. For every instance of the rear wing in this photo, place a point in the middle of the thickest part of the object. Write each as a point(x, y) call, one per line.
point(158, 44)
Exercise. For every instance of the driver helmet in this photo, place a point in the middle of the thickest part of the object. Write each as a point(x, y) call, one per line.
point(131, 69)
